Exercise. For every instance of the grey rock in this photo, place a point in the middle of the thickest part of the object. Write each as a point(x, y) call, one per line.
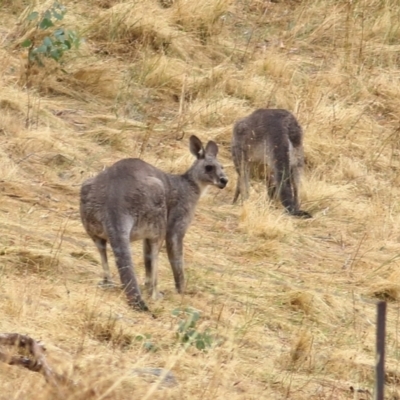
point(169, 379)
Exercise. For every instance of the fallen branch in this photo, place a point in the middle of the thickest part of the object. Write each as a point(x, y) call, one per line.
point(35, 361)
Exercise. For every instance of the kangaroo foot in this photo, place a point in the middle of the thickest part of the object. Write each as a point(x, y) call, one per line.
point(107, 284)
point(138, 304)
point(156, 295)
point(301, 214)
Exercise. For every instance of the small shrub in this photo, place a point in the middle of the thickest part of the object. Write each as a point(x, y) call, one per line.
point(187, 332)
point(41, 47)
point(147, 344)
point(56, 43)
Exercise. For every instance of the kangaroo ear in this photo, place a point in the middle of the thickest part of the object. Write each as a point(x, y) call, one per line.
point(196, 147)
point(212, 148)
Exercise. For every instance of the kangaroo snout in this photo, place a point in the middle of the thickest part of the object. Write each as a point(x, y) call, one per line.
point(222, 182)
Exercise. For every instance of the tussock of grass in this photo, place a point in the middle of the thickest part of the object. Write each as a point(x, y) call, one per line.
point(127, 28)
point(98, 80)
point(113, 138)
point(387, 290)
point(30, 262)
point(260, 220)
point(214, 111)
point(203, 19)
point(163, 73)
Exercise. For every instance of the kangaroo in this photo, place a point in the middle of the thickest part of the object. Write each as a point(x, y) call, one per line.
point(133, 200)
point(271, 138)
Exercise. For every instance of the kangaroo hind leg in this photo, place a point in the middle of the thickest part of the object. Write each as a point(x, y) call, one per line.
point(270, 184)
point(151, 249)
point(120, 243)
point(295, 182)
point(101, 245)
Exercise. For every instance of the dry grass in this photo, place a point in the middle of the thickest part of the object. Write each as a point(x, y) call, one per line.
point(290, 304)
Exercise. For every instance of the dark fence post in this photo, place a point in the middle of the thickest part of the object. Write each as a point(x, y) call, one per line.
point(380, 351)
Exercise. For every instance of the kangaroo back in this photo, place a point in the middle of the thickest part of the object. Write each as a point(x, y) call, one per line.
point(272, 138)
point(133, 200)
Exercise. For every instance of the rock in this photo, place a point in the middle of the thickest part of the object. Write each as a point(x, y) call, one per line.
point(169, 379)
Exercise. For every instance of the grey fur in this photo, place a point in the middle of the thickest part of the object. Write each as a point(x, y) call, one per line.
point(133, 200)
point(271, 138)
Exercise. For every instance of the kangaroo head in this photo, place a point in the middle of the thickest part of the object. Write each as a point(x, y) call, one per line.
point(207, 170)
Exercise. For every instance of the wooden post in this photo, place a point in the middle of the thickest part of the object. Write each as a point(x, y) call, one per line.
point(380, 351)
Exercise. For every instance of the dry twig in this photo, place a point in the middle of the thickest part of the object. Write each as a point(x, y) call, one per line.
point(35, 361)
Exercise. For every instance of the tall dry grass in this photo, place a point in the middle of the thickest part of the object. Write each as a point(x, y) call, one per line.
point(290, 304)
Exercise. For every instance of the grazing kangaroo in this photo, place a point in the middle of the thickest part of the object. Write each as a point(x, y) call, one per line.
point(132, 200)
point(271, 138)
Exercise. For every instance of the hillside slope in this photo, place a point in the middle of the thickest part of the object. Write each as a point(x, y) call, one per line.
point(288, 305)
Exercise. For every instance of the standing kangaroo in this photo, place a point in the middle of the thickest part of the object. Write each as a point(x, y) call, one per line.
point(271, 138)
point(132, 200)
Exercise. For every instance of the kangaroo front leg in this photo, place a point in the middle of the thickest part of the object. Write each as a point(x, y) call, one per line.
point(151, 249)
point(271, 185)
point(244, 182)
point(237, 190)
point(175, 256)
point(295, 179)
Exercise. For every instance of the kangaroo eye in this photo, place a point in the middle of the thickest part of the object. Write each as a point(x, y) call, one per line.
point(209, 168)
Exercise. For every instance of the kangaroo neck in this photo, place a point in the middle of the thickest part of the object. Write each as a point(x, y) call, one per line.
point(184, 189)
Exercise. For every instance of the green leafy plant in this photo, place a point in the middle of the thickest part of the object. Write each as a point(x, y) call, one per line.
point(146, 342)
point(187, 332)
point(56, 43)
point(52, 47)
